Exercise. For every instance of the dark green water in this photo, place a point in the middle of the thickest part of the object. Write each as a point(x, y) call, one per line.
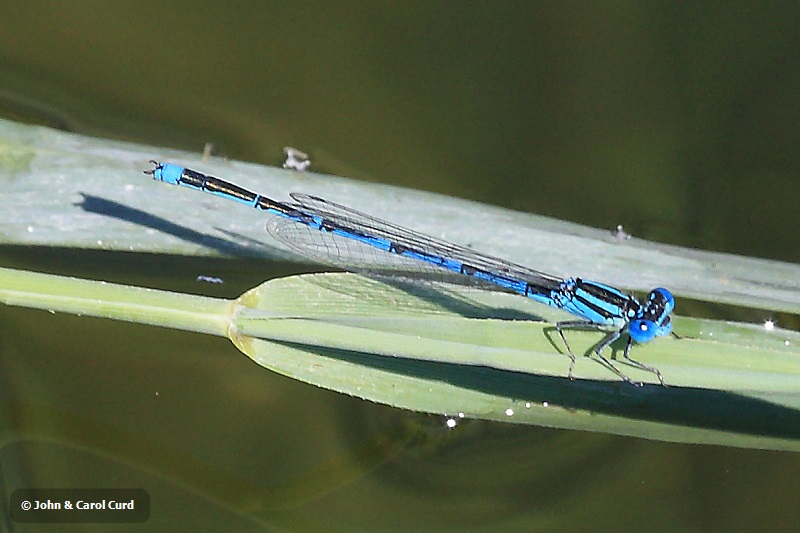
point(678, 121)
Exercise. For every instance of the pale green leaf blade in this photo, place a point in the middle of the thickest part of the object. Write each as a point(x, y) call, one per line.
point(380, 348)
point(63, 189)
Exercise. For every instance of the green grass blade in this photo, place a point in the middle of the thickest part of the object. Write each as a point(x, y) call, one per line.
point(460, 353)
point(350, 312)
point(118, 302)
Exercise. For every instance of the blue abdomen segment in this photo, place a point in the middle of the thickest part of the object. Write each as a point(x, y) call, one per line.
point(168, 173)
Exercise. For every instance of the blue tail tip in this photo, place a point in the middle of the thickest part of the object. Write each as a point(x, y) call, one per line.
point(166, 172)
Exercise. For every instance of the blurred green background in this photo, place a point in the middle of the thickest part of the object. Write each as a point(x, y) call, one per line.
point(678, 120)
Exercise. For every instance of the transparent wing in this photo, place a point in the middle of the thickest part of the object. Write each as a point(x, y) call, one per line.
point(351, 254)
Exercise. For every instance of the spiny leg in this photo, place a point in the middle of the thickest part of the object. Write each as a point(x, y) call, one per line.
point(643, 366)
point(611, 337)
point(570, 324)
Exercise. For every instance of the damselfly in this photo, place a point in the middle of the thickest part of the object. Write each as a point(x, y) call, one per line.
point(324, 229)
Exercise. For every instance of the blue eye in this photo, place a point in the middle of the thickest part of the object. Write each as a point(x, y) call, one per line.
point(642, 330)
